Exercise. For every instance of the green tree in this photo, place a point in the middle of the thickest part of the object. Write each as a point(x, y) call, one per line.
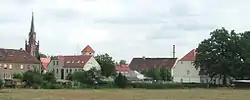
point(89, 77)
point(107, 64)
point(69, 77)
point(121, 81)
point(242, 66)
point(1, 83)
point(18, 76)
point(32, 78)
point(123, 62)
point(40, 55)
point(49, 77)
point(165, 74)
point(223, 55)
point(154, 73)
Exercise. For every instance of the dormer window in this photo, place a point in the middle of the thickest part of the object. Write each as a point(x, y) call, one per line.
point(73, 61)
point(78, 61)
point(68, 62)
point(21, 66)
point(10, 66)
point(82, 61)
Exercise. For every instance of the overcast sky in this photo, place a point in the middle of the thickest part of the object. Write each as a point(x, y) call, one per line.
point(122, 28)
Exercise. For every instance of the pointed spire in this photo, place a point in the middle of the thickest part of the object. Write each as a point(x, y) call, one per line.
point(32, 28)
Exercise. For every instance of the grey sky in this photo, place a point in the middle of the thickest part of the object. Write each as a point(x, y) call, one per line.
point(122, 28)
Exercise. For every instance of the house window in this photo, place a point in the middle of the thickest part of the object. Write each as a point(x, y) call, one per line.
point(188, 72)
point(5, 66)
point(57, 62)
point(82, 61)
point(21, 66)
point(54, 62)
point(28, 67)
point(70, 70)
point(75, 70)
point(78, 61)
point(68, 62)
point(5, 75)
point(67, 71)
point(73, 61)
point(10, 66)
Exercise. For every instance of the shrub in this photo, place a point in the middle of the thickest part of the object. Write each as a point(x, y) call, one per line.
point(121, 81)
point(1, 83)
point(83, 86)
point(166, 86)
point(49, 85)
point(35, 86)
point(17, 76)
point(106, 85)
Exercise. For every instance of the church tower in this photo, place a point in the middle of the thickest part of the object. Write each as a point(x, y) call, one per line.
point(32, 46)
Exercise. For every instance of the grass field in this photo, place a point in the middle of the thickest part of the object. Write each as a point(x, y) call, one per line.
point(127, 94)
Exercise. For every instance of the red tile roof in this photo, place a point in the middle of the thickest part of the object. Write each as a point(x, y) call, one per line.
point(142, 63)
point(124, 68)
point(88, 49)
point(190, 56)
point(17, 56)
point(73, 61)
point(45, 62)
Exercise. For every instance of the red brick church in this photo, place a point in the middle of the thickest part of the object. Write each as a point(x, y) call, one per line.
point(32, 46)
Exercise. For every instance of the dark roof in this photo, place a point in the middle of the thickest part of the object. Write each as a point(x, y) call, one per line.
point(189, 56)
point(142, 63)
point(74, 61)
point(17, 56)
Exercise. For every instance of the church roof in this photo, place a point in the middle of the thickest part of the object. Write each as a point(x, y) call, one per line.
point(189, 56)
point(88, 49)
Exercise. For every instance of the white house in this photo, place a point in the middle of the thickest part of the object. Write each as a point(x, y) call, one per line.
point(62, 66)
point(184, 70)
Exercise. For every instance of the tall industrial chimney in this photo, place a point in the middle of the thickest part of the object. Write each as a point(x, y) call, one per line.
point(173, 51)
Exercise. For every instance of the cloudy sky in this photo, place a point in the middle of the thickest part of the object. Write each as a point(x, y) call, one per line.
point(122, 28)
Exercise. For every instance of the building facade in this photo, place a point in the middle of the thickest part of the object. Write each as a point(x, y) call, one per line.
point(184, 71)
point(140, 64)
point(62, 66)
point(16, 61)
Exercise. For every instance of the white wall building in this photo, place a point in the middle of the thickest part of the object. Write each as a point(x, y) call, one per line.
point(184, 70)
point(62, 66)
